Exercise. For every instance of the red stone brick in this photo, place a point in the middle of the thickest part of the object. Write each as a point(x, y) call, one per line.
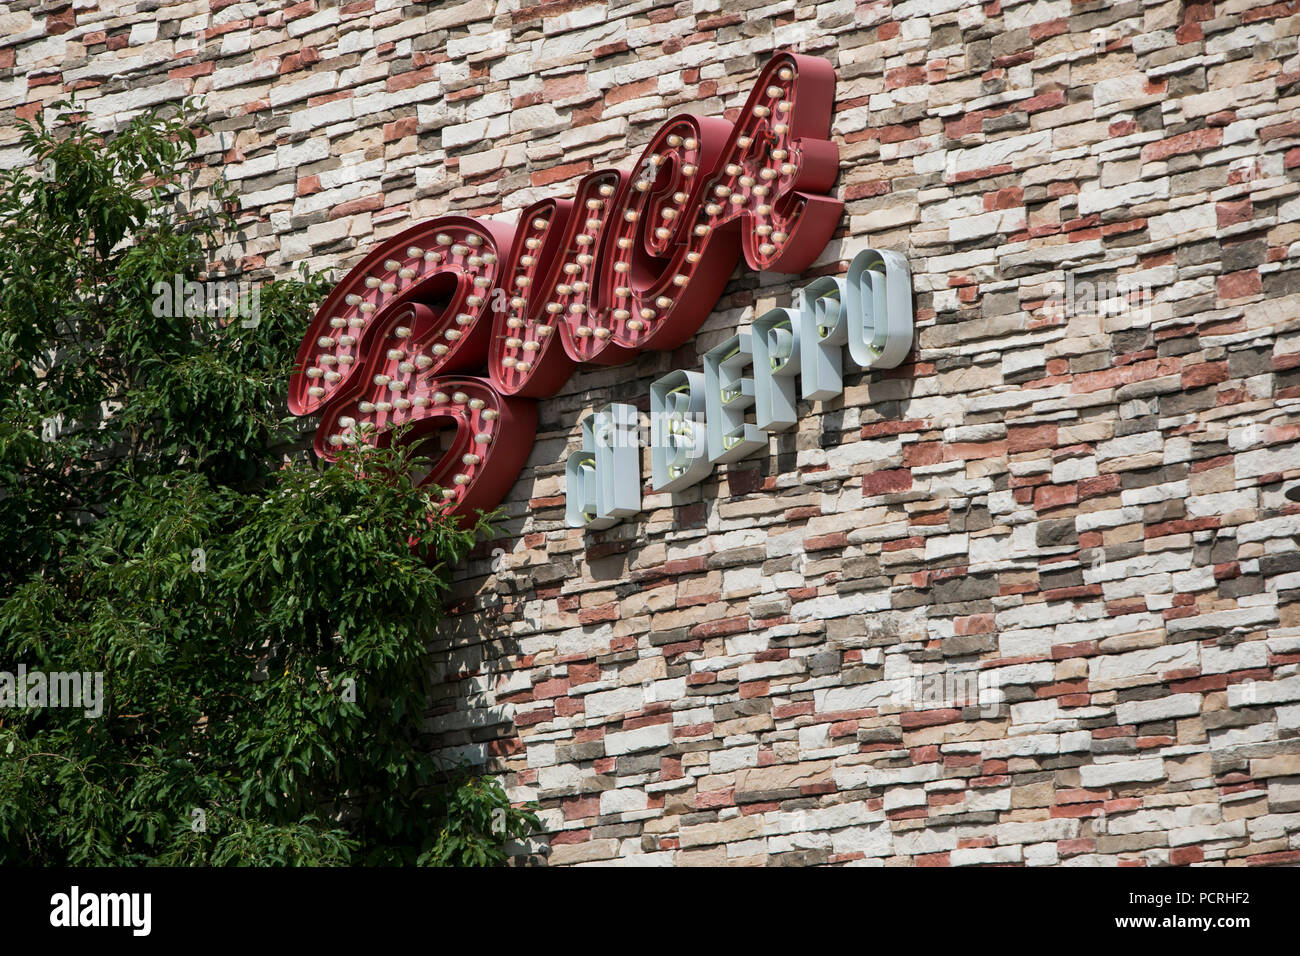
point(550, 688)
point(1194, 141)
point(1279, 131)
point(721, 628)
point(538, 716)
point(1238, 285)
point(1232, 213)
point(61, 21)
point(827, 542)
point(915, 719)
point(885, 482)
point(595, 615)
point(1022, 438)
point(580, 807)
point(1185, 855)
point(405, 81)
point(713, 799)
point(176, 73)
point(555, 174)
point(583, 673)
point(1204, 373)
point(684, 647)
point(1047, 497)
point(787, 711)
point(631, 91)
point(1081, 649)
point(357, 206)
point(568, 706)
point(904, 76)
point(399, 129)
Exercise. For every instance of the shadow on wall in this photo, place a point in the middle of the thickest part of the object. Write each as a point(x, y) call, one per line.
point(501, 625)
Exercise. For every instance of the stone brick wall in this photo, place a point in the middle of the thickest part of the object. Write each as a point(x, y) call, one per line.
point(1079, 508)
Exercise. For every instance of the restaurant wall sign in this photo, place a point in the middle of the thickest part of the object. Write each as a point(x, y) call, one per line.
point(633, 261)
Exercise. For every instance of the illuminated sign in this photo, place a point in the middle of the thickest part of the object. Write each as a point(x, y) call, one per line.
point(633, 261)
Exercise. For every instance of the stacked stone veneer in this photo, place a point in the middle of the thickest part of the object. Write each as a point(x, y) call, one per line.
point(1084, 510)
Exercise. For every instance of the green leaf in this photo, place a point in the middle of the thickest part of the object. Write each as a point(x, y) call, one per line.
point(221, 685)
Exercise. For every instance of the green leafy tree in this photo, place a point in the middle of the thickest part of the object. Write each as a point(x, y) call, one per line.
point(259, 620)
